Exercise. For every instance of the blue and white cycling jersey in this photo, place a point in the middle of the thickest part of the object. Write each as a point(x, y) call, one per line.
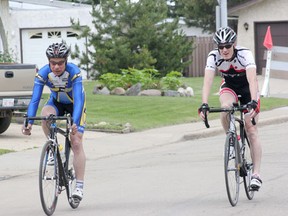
point(65, 89)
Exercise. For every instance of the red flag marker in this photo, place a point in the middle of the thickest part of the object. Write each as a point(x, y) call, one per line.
point(268, 43)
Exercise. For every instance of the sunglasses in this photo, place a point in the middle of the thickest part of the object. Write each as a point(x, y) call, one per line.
point(59, 63)
point(227, 46)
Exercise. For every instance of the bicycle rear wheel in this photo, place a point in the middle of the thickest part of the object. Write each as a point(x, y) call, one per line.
point(248, 167)
point(48, 178)
point(231, 169)
point(72, 185)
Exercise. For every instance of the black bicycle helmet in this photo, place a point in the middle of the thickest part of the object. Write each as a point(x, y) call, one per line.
point(225, 35)
point(58, 50)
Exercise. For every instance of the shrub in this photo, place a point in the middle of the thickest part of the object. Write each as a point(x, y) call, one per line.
point(149, 78)
point(6, 57)
point(171, 81)
point(111, 80)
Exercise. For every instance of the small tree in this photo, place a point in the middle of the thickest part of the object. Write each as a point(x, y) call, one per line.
point(134, 35)
point(6, 57)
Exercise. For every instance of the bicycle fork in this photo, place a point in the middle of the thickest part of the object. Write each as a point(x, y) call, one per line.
point(234, 142)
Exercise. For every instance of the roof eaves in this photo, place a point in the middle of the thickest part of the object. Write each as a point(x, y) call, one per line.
point(51, 3)
point(234, 10)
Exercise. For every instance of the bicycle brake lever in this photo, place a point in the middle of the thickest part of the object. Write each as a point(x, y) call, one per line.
point(25, 120)
point(206, 120)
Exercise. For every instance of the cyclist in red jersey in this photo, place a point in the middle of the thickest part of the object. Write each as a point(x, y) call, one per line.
point(238, 69)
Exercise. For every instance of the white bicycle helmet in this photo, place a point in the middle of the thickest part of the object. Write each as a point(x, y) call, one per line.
point(58, 50)
point(225, 35)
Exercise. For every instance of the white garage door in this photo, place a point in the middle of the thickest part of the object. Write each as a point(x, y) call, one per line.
point(36, 41)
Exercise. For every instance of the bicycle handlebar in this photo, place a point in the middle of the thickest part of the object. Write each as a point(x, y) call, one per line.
point(51, 117)
point(232, 109)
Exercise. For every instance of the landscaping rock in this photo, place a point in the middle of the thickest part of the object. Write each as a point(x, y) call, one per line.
point(118, 91)
point(171, 93)
point(181, 92)
point(134, 90)
point(150, 92)
point(101, 90)
point(189, 92)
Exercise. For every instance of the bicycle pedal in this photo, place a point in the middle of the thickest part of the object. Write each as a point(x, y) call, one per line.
point(254, 188)
point(59, 191)
point(76, 200)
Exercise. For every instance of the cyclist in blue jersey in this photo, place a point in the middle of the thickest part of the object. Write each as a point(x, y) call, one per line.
point(238, 69)
point(67, 95)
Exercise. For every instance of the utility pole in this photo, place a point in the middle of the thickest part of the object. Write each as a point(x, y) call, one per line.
point(221, 14)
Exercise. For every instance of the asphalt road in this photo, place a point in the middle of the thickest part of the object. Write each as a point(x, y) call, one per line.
point(180, 178)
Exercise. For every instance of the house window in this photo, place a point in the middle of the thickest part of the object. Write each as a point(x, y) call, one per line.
point(72, 34)
point(36, 35)
point(54, 34)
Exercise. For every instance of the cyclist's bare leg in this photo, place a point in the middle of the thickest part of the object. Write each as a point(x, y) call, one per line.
point(226, 100)
point(79, 155)
point(46, 111)
point(256, 148)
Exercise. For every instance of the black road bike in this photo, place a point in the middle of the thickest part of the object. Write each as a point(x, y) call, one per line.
point(238, 166)
point(56, 173)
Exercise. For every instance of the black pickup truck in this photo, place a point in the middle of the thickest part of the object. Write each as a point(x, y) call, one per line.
point(16, 85)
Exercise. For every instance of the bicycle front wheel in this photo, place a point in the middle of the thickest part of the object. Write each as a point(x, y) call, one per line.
point(248, 169)
point(48, 178)
point(231, 169)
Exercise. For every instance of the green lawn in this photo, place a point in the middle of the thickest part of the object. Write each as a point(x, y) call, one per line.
point(151, 112)
point(4, 151)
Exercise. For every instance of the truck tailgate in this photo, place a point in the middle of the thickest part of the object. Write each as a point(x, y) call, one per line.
point(16, 78)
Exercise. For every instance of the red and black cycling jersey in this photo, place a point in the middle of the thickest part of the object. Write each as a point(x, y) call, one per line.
point(234, 69)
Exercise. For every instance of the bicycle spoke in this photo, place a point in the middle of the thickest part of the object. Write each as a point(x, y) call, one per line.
point(231, 168)
point(48, 179)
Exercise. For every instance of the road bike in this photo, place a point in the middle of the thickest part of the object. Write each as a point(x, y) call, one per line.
point(56, 173)
point(237, 155)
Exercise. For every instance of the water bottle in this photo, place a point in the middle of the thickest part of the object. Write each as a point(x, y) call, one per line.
point(239, 148)
point(240, 142)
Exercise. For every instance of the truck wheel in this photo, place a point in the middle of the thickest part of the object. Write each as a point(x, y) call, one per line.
point(4, 123)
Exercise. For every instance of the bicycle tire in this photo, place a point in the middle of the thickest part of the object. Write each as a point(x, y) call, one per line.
point(48, 179)
point(70, 176)
point(231, 169)
point(248, 166)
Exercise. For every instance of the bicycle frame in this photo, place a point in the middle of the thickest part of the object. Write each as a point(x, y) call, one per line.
point(233, 131)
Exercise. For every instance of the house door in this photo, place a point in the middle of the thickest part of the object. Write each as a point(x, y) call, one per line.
point(279, 32)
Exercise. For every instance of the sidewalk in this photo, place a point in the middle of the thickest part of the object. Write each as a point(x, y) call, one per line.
point(277, 87)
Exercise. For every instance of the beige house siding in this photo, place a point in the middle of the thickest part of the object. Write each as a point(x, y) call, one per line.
point(257, 11)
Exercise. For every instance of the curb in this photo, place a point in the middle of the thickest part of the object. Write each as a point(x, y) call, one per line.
point(218, 130)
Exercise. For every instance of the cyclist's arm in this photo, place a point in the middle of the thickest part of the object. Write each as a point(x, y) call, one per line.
point(253, 83)
point(33, 105)
point(36, 97)
point(254, 91)
point(78, 94)
point(208, 81)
